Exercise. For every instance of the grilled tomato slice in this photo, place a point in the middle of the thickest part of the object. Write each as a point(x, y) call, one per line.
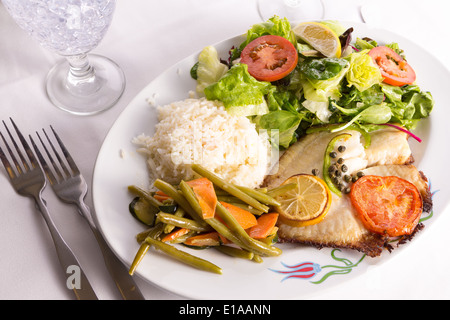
point(387, 205)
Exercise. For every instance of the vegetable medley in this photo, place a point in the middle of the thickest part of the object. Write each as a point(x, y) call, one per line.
point(283, 83)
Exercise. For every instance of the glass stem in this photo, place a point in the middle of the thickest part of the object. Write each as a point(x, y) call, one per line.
point(81, 79)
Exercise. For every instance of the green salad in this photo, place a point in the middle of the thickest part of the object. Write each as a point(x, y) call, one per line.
point(291, 87)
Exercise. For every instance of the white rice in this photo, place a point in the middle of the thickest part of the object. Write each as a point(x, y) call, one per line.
point(202, 132)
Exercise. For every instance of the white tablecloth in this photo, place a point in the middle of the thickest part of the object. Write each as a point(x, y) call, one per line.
point(145, 38)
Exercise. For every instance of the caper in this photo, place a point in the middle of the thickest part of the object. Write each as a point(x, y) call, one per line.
point(344, 168)
point(347, 178)
point(347, 190)
point(355, 178)
point(332, 168)
point(338, 173)
point(340, 161)
point(333, 154)
point(360, 174)
point(341, 148)
point(315, 172)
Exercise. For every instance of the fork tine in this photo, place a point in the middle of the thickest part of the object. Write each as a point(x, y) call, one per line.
point(25, 145)
point(6, 163)
point(53, 163)
point(50, 176)
point(66, 153)
point(57, 154)
point(11, 153)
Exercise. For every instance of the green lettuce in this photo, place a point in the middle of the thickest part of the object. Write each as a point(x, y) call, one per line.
point(240, 93)
point(274, 26)
point(209, 69)
point(321, 90)
point(281, 122)
point(408, 104)
point(363, 73)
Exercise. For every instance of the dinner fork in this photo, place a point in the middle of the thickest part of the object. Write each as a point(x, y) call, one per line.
point(70, 186)
point(28, 180)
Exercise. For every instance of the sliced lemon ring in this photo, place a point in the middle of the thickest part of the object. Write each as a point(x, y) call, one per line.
point(305, 205)
point(320, 37)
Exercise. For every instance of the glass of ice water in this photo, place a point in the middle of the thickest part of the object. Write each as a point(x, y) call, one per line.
point(81, 84)
point(293, 10)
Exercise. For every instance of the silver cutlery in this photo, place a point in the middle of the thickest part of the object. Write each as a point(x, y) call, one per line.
point(28, 179)
point(70, 186)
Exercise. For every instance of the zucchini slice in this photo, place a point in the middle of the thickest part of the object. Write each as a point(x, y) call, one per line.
point(143, 211)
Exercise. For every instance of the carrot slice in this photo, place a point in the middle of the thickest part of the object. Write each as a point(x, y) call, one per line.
point(243, 217)
point(175, 234)
point(160, 198)
point(264, 227)
point(160, 193)
point(204, 239)
point(206, 196)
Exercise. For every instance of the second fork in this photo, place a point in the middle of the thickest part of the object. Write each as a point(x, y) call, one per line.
point(70, 186)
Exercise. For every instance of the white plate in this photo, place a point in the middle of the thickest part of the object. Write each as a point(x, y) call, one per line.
point(118, 165)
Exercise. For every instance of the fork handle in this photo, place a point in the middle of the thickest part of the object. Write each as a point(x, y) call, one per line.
point(80, 285)
point(123, 280)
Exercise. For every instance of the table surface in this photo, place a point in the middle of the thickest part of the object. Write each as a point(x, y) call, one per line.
point(145, 38)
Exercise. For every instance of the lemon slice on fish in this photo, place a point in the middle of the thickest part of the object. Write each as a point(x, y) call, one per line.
point(306, 204)
point(320, 37)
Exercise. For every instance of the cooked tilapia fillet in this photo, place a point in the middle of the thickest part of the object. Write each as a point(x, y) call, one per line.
point(341, 228)
point(388, 146)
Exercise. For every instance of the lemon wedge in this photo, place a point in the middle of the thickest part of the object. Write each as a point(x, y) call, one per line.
point(306, 204)
point(320, 37)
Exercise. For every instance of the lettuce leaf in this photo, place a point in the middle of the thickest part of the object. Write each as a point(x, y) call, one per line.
point(240, 93)
point(209, 69)
point(408, 103)
point(285, 122)
point(274, 26)
point(363, 73)
point(321, 90)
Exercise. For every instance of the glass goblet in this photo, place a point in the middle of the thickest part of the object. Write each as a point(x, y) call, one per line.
point(293, 10)
point(81, 84)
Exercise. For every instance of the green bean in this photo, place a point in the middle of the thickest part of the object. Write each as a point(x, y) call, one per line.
point(179, 213)
point(153, 233)
point(181, 222)
point(230, 199)
point(234, 231)
point(191, 200)
point(236, 252)
point(260, 196)
point(183, 238)
point(138, 258)
point(179, 198)
point(184, 257)
point(246, 207)
point(255, 245)
point(281, 189)
point(228, 187)
point(257, 258)
point(144, 194)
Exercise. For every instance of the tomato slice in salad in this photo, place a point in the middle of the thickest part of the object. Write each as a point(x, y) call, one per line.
point(387, 205)
point(394, 69)
point(270, 58)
